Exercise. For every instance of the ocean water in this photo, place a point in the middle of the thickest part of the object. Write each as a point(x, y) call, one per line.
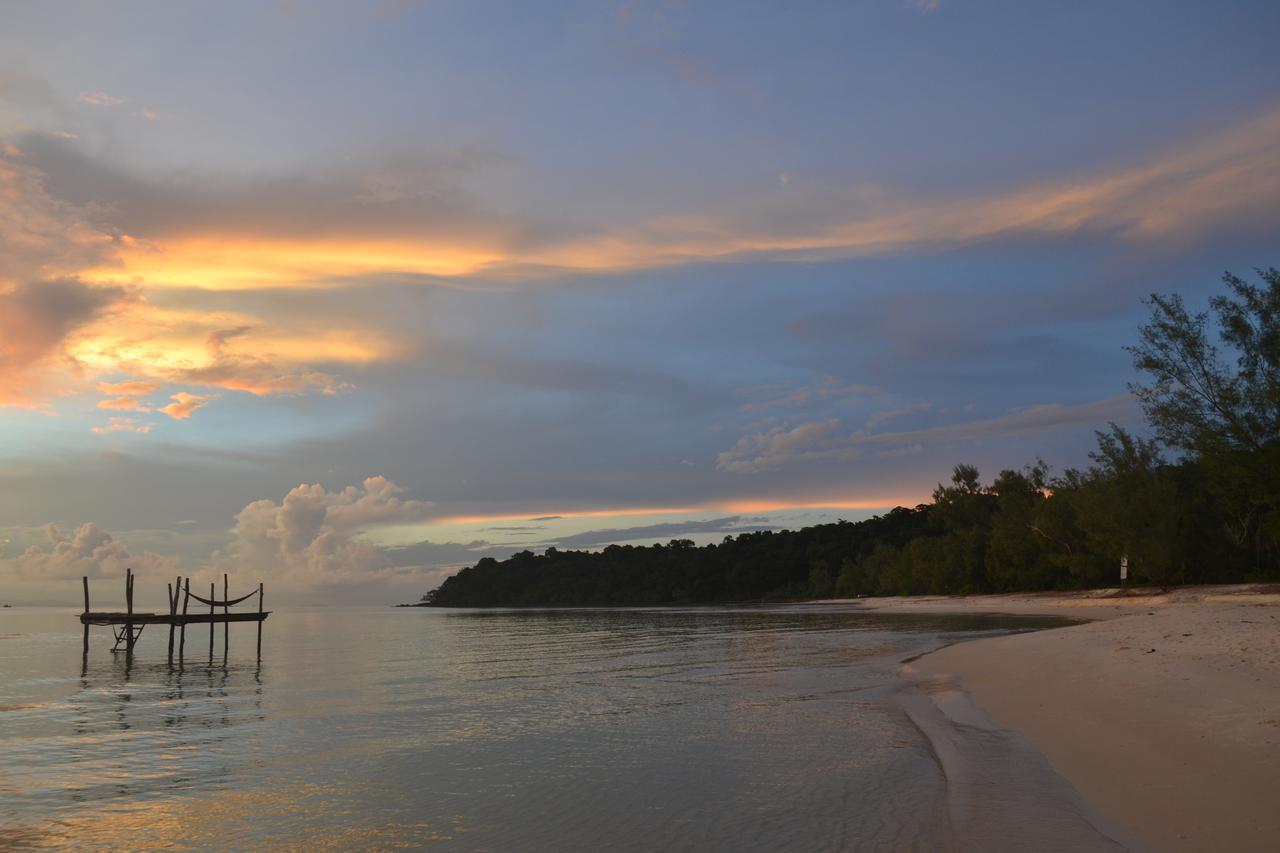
point(756, 728)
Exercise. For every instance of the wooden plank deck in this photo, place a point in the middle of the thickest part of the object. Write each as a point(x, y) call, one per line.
point(114, 618)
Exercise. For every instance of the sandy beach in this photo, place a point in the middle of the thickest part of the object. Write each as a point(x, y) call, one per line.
point(1164, 712)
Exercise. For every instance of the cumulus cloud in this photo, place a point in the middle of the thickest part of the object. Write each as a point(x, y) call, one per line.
point(827, 441)
point(90, 551)
point(312, 535)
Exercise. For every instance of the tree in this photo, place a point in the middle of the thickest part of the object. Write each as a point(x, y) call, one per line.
point(1132, 507)
point(1220, 401)
point(1016, 553)
point(964, 510)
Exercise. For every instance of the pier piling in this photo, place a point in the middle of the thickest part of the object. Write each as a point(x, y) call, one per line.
point(128, 598)
point(86, 610)
point(260, 618)
point(212, 595)
point(173, 611)
point(182, 638)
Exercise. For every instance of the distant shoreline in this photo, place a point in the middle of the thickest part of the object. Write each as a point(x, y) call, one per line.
point(1164, 713)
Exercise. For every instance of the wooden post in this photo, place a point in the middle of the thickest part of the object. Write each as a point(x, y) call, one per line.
point(182, 639)
point(128, 600)
point(226, 626)
point(86, 610)
point(173, 606)
point(212, 595)
point(259, 620)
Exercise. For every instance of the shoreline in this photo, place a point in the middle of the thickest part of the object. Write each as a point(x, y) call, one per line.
point(1163, 712)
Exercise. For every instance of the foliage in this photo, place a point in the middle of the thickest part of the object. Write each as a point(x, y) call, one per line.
point(1219, 401)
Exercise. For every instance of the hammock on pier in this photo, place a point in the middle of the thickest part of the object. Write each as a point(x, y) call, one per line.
point(213, 602)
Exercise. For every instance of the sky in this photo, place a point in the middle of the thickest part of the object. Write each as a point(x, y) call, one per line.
point(344, 296)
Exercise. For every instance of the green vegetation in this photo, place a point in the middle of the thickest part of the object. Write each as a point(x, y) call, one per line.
point(1209, 514)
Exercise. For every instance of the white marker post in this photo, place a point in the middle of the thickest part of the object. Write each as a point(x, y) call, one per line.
point(1124, 570)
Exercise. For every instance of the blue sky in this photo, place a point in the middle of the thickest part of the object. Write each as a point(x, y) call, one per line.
point(344, 295)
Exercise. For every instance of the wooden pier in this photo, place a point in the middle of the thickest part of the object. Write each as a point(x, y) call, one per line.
point(131, 622)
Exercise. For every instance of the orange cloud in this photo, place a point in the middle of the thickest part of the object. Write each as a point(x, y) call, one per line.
point(183, 405)
point(237, 262)
point(578, 513)
point(122, 425)
point(1230, 177)
point(732, 505)
point(130, 388)
point(234, 352)
point(125, 404)
point(56, 333)
point(36, 323)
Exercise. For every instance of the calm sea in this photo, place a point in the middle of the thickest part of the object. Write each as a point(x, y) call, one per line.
point(762, 728)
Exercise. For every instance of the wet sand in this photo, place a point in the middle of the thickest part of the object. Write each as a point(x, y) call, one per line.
point(1164, 714)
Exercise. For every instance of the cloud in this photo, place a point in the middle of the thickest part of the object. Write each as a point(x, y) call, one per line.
point(410, 219)
point(828, 388)
point(58, 330)
point(827, 441)
point(100, 99)
point(401, 216)
point(36, 322)
point(146, 114)
point(183, 405)
point(311, 536)
point(438, 555)
point(255, 373)
point(128, 388)
point(1231, 178)
point(163, 346)
point(120, 424)
point(43, 237)
point(879, 419)
point(128, 404)
point(659, 532)
point(89, 551)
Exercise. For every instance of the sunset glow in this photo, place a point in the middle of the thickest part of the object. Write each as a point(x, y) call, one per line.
point(630, 271)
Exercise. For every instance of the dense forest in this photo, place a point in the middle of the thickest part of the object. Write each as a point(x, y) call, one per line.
point(1196, 502)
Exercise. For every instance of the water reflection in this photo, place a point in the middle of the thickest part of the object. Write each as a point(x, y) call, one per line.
point(522, 729)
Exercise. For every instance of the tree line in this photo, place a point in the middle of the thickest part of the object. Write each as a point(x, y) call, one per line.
point(1197, 500)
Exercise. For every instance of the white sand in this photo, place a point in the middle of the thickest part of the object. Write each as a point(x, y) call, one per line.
point(1165, 715)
